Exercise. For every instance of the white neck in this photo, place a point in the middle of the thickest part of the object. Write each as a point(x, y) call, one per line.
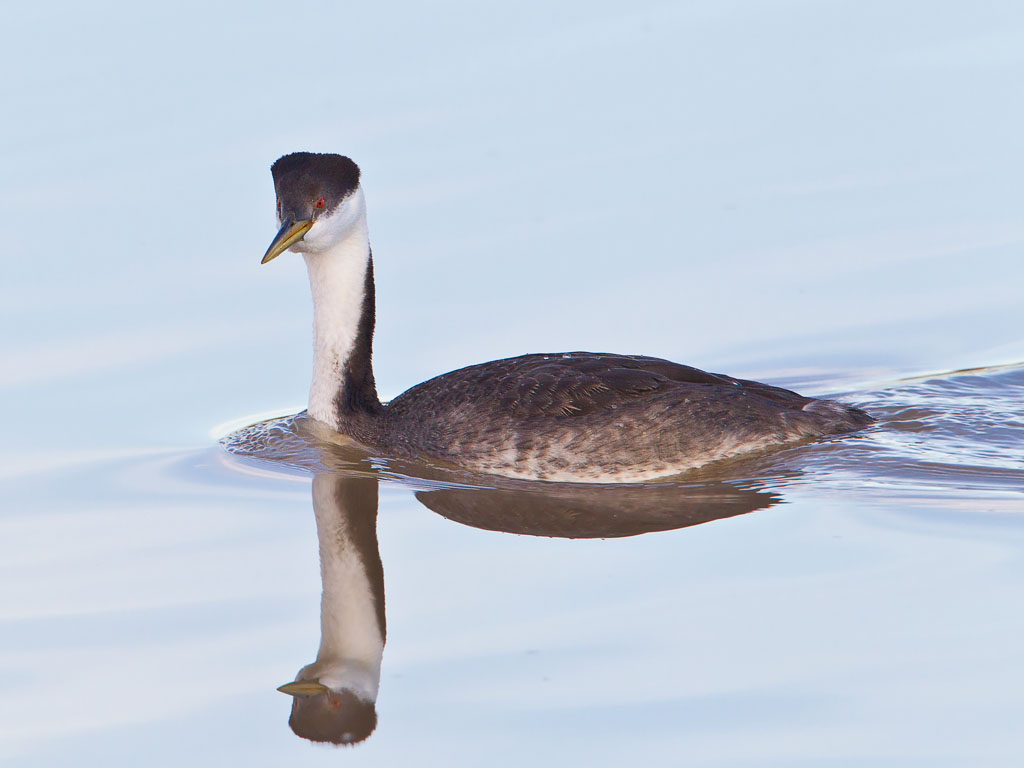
point(337, 278)
point(351, 638)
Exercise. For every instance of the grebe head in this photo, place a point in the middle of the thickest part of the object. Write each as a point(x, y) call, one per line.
point(323, 714)
point(319, 202)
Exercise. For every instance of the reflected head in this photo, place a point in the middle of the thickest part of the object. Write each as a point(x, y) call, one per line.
point(334, 717)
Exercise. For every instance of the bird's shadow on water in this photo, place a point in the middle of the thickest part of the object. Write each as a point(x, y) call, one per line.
point(936, 431)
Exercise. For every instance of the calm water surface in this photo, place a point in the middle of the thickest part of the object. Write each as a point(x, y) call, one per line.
point(842, 602)
point(825, 196)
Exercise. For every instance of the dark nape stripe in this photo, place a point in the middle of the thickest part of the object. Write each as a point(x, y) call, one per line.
point(356, 499)
point(359, 391)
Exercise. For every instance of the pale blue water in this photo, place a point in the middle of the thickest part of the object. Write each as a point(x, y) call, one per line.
point(825, 196)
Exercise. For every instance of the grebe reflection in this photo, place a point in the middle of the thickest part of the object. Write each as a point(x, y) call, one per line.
point(334, 697)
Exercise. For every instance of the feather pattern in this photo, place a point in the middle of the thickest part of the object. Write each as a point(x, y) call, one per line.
point(594, 417)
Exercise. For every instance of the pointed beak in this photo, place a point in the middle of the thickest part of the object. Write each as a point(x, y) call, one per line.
point(290, 233)
point(303, 688)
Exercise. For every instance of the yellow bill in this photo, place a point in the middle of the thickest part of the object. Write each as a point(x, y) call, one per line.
point(289, 234)
point(303, 688)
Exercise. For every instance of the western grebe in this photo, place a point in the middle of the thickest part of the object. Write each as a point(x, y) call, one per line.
point(570, 417)
point(334, 698)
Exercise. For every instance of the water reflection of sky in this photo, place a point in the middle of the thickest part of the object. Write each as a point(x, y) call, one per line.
point(798, 190)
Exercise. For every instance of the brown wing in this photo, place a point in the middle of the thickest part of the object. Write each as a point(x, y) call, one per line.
point(584, 415)
point(572, 384)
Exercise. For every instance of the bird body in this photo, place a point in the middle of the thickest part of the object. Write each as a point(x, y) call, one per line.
point(572, 417)
point(581, 416)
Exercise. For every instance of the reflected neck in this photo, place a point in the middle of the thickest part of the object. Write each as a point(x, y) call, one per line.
point(352, 624)
point(341, 281)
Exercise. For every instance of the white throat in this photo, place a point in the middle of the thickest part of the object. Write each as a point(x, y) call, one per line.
point(351, 638)
point(337, 253)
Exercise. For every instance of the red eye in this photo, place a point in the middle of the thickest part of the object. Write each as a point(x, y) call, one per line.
point(320, 203)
